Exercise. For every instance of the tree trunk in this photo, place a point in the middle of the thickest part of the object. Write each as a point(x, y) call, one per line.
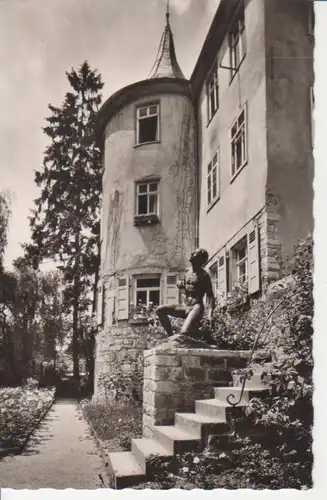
point(75, 329)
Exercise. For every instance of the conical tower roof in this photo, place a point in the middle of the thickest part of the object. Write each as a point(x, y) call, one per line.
point(166, 64)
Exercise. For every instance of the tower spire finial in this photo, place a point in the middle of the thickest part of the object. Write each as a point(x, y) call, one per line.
point(167, 12)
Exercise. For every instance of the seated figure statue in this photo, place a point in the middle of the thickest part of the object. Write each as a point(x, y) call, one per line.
point(196, 285)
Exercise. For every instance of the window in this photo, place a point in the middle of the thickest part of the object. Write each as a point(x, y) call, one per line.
point(241, 259)
point(147, 126)
point(212, 180)
point(239, 143)
point(147, 198)
point(147, 291)
point(213, 92)
point(237, 46)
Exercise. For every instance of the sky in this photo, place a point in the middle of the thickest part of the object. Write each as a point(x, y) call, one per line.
point(42, 39)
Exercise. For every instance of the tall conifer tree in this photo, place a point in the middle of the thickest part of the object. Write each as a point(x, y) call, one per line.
point(66, 221)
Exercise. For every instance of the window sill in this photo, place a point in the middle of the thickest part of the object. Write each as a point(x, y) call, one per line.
point(146, 220)
point(145, 144)
point(212, 204)
point(238, 171)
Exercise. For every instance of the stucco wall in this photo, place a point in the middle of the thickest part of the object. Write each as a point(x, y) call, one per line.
point(242, 198)
point(289, 77)
point(168, 243)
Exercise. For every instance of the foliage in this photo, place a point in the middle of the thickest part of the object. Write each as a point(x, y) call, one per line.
point(66, 221)
point(288, 412)
point(116, 422)
point(32, 321)
point(247, 465)
point(20, 410)
point(122, 388)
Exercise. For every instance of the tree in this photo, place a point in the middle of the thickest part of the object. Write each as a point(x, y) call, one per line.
point(66, 221)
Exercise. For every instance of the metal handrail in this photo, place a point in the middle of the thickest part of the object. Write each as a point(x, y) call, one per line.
point(232, 396)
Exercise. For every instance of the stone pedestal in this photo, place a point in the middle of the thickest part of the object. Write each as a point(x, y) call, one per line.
point(176, 376)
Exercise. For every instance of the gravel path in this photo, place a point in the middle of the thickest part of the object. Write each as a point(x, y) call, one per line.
point(61, 454)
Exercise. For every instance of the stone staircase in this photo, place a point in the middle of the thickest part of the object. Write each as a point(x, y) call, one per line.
point(191, 431)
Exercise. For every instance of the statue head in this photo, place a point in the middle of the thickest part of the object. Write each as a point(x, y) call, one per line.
point(199, 257)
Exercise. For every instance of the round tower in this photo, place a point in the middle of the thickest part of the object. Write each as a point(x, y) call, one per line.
point(148, 226)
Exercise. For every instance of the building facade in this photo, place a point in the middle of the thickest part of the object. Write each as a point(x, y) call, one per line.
point(252, 87)
point(222, 161)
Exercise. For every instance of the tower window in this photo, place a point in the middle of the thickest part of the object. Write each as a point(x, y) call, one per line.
point(147, 126)
point(147, 291)
point(213, 92)
point(237, 45)
point(147, 198)
point(239, 143)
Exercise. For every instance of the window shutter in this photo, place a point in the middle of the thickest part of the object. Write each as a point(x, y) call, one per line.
point(222, 278)
point(123, 297)
point(100, 304)
point(253, 261)
point(171, 290)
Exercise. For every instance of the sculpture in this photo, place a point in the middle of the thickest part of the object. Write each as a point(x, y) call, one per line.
point(197, 284)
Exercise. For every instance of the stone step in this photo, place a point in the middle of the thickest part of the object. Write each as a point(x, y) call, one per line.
point(175, 439)
point(216, 408)
point(256, 380)
point(125, 469)
point(221, 393)
point(200, 425)
point(144, 449)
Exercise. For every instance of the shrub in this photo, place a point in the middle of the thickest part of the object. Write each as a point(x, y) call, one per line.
point(122, 388)
point(20, 409)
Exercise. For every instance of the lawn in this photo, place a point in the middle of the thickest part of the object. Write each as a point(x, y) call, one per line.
point(20, 410)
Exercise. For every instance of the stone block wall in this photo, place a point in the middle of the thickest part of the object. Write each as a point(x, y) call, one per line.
point(120, 356)
point(270, 247)
point(174, 378)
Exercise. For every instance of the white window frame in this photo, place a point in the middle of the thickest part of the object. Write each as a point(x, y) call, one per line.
point(212, 171)
point(212, 86)
point(237, 42)
point(239, 134)
point(147, 289)
point(242, 278)
point(147, 112)
point(148, 193)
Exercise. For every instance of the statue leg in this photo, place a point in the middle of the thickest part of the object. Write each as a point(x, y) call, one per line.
point(163, 313)
point(192, 320)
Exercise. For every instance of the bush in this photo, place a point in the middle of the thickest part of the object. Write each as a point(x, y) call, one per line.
point(248, 465)
point(20, 409)
point(125, 389)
